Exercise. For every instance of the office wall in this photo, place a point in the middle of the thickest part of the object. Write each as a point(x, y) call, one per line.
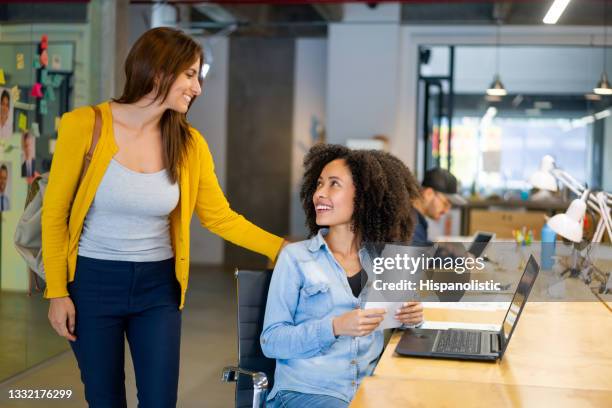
point(309, 107)
point(362, 82)
point(209, 115)
point(259, 129)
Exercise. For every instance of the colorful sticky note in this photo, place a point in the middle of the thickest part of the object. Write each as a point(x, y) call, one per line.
point(44, 77)
point(15, 93)
point(2, 80)
point(57, 123)
point(43, 107)
point(36, 63)
point(35, 129)
point(49, 94)
point(20, 61)
point(22, 122)
point(37, 90)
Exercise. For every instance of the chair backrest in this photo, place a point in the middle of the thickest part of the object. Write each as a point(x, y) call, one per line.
point(252, 288)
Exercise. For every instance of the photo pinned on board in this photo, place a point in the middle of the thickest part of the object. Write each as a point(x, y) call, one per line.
point(6, 113)
point(5, 186)
point(28, 156)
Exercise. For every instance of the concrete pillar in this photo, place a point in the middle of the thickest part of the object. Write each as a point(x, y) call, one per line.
point(109, 45)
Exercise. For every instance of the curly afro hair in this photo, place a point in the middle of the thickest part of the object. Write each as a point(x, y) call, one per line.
point(384, 191)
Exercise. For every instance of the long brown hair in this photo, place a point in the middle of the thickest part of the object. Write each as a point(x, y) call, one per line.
point(157, 58)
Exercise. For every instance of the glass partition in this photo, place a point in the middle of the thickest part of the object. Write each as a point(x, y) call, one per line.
point(36, 87)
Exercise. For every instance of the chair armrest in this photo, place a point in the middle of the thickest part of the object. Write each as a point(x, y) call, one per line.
point(260, 380)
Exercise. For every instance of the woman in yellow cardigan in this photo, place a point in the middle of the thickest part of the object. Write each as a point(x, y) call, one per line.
point(116, 249)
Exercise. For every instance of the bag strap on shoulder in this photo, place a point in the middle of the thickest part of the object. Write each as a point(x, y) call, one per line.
point(94, 141)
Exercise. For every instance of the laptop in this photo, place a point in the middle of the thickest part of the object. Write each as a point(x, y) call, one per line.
point(480, 242)
point(464, 344)
point(457, 249)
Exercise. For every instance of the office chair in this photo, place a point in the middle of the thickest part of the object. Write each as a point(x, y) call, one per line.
point(255, 372)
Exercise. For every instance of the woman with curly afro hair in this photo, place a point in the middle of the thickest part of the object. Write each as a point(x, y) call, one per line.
point(323, 341)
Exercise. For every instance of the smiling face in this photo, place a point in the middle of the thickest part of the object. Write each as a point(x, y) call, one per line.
point(335, 194)
point(5, 107)
point(28, 146)
point(184, 89)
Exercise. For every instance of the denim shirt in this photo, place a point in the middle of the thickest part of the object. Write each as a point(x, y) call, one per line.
point(308, 289)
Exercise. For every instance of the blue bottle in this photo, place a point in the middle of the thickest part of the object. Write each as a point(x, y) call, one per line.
point(549, 239)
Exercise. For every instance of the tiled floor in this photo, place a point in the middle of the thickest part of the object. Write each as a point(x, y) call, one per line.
point(208, 344)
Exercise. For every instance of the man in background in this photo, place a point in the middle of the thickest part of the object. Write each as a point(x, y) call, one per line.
point(438, 193)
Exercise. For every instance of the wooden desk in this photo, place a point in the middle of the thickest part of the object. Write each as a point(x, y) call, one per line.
point(376, 392)
point(556, 346)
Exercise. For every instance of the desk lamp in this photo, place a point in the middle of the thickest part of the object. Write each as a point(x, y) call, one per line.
point(543, 178)
point(569, 226)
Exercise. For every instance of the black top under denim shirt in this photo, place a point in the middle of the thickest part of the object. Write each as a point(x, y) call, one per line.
point(357, 282)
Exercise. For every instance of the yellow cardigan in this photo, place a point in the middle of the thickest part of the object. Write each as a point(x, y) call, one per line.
point(62, 219)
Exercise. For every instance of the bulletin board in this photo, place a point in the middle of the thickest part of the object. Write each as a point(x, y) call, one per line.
point(36, 88)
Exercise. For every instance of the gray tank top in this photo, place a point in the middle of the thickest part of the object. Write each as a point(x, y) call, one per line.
point(128, 219)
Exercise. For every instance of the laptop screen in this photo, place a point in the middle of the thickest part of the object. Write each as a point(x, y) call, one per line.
point(520, 298)
point(481, 240)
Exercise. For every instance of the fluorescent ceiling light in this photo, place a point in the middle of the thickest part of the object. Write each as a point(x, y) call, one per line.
point(533, 112)
point(542, 105)
point(555, 11)
point(588, 119)
point(603, 114)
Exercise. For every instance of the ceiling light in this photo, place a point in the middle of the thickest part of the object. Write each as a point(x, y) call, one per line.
point(603, 114)
point(603, 86)
point(497, 88)
point(555, 11)
point(588, 119)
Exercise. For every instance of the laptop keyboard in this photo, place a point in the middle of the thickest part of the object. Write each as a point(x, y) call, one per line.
point(458, 341)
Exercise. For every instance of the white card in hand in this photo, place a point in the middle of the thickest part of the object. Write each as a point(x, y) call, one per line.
point(390, 321)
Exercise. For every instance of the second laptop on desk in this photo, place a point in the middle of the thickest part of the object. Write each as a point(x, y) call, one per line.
point(471, 344)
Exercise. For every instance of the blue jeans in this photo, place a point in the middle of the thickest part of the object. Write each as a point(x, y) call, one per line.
point(292, 399)
point(137, 300)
